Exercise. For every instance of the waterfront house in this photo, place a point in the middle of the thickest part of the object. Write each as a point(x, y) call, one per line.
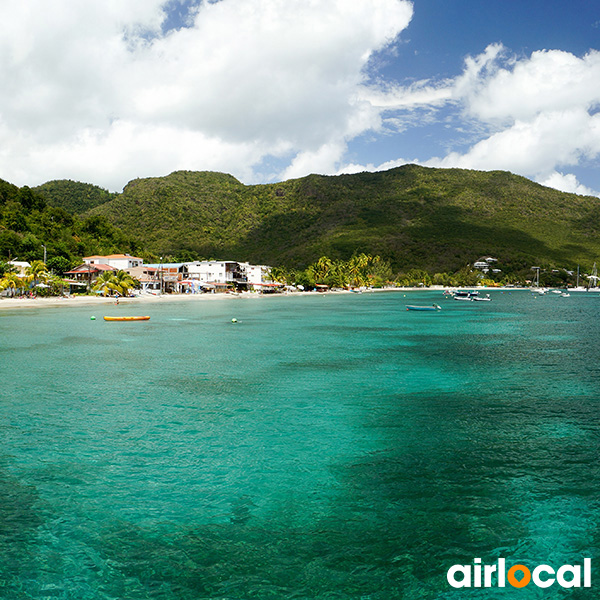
point(147, 276)
point(87, 274)
point(121, 262)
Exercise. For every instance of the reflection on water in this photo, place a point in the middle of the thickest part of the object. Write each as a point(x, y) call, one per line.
point(330, 447)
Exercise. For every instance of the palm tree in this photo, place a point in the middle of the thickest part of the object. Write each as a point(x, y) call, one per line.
point(356, 267)
point(109, 281)
point(122, 282)
point(322, 268)
point(37, 272)
point(12, 282)
point(104, 283)
point(279, 275)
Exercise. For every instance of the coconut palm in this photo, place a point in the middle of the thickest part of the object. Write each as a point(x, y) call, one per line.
point(37, 272)
point(322, 268)
point(356, 267)
point(104, 283)
point(279, 275)
point(12, 282)
point(122, 282)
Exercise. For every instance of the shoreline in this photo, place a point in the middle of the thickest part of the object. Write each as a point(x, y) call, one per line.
point(53, 301)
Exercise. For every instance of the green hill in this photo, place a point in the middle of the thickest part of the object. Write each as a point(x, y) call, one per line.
point(412, 216)
point(28, 222)
point(437, 219)
point(73, 196)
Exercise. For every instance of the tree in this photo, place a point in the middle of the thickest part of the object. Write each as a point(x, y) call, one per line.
point(6, 267)
point(321, 269)
point(279, 275)
point(12, 282)
point(104, 283)
point(123, 282)
point(58, 264)
point(120, 282)
point(37, 272)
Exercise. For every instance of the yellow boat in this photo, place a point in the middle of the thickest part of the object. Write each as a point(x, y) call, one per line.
point(126, 318)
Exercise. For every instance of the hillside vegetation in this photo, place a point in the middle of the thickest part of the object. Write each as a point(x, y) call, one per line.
point(74, 196)
point(28, 222)
point(412, 216)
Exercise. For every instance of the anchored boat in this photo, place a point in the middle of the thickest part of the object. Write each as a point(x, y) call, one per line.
point(433, 307)
point(145, 318)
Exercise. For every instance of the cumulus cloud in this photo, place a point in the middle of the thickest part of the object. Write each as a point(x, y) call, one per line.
point(566, 183)
point(540, 111)
point(531, 115)
point(104, 91)
point(99, 90)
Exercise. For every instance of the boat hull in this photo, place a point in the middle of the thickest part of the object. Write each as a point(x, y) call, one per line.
point(145, 318)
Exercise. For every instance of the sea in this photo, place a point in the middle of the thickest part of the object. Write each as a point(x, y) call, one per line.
point(331, 446)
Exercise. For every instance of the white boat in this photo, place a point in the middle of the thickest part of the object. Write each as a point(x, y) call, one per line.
point(536, 289)
point(429, 308)
point(485, 298)
point(463, 295)
point(467, 295)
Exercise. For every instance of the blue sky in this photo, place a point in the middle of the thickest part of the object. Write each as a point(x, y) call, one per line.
point(442, 34)
point(273, 89)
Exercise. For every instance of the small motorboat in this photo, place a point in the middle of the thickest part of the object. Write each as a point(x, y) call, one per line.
point(432, 307)
point(463, 295)
point(485, 298)
point(145, 318)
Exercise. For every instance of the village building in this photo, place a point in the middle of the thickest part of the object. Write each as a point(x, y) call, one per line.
point(484, 264)
point(147, 275)
point(21, 266)
point(183, 277)
point(118, 261)
point(85, 275)
point(210, 276)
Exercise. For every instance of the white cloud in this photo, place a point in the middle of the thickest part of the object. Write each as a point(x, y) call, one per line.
point(567, 183)
point(95, 90)
point(539, 113)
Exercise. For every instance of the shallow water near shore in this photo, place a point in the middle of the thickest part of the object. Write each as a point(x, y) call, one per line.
point(333, 446)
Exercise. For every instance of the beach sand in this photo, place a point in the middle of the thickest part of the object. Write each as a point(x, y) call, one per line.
point(145, 299)
point(12, 303)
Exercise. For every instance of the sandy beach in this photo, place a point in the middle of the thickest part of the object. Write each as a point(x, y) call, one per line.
point(12, 303)
point(146, 299)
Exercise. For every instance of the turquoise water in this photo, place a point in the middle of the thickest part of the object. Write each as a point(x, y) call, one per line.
point(332, 447)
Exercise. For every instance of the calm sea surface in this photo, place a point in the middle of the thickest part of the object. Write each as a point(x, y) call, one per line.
point(332, 447)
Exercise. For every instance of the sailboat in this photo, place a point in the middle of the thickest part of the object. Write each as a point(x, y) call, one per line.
point(593, 278)
point(536, 287)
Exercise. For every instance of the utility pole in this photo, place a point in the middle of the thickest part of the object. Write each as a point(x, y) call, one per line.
point(44, 247)
point(160, 275)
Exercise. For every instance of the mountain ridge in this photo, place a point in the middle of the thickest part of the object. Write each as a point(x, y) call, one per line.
point(412, 216)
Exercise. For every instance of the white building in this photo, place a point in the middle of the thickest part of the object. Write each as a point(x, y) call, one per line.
point(118, 261)
point(211, 275)
point(217, 271)
point(256, 274)
point(20, 265)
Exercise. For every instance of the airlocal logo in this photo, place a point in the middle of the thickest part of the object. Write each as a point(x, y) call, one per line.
point(519, 576)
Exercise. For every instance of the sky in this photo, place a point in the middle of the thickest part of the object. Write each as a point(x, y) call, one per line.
point(106, 91)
